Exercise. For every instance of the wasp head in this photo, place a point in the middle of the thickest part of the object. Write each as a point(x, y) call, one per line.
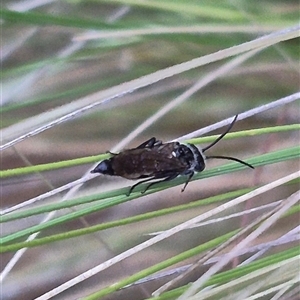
point(191, 156)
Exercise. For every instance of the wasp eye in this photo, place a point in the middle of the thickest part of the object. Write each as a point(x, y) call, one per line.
point(104, 168)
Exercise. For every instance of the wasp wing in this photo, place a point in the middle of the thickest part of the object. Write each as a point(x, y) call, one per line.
point(157, 162)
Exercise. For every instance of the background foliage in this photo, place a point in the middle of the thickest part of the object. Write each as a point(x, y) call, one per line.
point(83, 77)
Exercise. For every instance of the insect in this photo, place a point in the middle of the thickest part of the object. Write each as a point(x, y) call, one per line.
point(154, 159)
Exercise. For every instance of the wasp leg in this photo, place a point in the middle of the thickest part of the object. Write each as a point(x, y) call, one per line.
point(108, 152)
point(187, 181)
point(167, 178)
point(150, 143)
point(135, 185)
point(163, 180)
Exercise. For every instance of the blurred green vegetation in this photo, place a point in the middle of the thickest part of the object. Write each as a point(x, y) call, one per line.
point(61, 56)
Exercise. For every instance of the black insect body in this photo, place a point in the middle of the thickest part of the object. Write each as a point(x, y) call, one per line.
point(156, 160)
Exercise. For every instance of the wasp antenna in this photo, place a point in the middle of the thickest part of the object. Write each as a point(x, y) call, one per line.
point(231, 158)
point(221, 136)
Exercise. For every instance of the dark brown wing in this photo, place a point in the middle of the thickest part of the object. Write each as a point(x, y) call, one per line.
point(147, 162)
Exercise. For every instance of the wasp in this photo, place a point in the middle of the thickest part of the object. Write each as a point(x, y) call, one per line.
point(154, 159)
